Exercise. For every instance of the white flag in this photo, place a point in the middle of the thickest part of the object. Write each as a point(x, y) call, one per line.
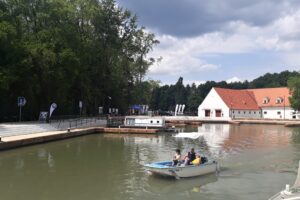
point(183, 106)
point(176, 109)
point(52, 108)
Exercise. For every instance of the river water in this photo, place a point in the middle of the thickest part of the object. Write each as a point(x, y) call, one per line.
point(256, 162)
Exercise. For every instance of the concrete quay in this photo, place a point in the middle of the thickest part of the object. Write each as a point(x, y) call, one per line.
point(287, 123)
point(9, 142)
point(189, 120)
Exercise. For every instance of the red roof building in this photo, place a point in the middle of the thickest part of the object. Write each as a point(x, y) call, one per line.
point(270, 103)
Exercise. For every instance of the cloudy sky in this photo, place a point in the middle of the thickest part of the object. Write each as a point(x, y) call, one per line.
point(217, 40)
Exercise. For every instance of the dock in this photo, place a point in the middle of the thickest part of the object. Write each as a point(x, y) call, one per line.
point(9, 142)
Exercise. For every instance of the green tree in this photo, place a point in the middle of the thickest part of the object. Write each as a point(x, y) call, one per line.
point(294, 85)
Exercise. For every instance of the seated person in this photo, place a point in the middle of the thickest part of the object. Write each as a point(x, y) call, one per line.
point(176, 157)
point(192, 155)
point(186, 159)
point(197, 161)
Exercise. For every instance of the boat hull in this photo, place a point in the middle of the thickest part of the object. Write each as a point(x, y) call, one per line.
point(164, 169)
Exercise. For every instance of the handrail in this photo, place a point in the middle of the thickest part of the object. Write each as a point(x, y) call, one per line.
point(76, 123)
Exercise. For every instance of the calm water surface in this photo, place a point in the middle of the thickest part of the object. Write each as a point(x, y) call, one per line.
point(256, 162)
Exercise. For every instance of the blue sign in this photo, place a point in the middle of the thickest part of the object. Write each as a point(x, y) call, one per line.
point(21, 101)
point(136, 107)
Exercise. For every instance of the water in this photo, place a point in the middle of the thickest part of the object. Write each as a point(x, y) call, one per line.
point(256, 162)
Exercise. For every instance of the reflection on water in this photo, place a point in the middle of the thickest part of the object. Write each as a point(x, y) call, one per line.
point(256, 162)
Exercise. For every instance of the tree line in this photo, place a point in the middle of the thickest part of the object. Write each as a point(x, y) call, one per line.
point(166, 97)
point(94, 51)
point(66, 51)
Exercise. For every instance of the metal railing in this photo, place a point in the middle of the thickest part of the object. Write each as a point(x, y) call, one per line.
point(81, 122)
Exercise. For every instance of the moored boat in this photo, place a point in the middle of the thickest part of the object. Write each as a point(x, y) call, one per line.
point(292, 193)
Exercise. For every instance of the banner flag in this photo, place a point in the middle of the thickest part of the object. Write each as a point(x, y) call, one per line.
point(52, 108)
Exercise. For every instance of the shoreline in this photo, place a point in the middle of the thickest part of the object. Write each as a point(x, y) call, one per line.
point(17, 141)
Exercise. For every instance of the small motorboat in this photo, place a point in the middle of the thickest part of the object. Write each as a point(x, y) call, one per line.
point(182, 171)
point(290, 193)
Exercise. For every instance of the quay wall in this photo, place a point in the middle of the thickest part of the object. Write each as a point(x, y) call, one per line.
point(37, 138)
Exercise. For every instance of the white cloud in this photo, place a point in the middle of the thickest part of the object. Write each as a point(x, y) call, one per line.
point(190, 82)
point(233, 79)
point(187, 55)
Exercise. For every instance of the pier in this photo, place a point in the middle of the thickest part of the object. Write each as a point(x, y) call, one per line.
point(14, 141)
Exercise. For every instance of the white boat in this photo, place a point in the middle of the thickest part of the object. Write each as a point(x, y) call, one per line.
point(292, 193)
point(183, 171)
point(144, 121)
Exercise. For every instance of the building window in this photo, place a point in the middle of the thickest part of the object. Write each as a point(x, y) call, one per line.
point(233, 111)
point(278, 113)
point(244, 112)
point(157, 122)
point(279, 100)
point(151, 121)
point(249, 112)
point(265, 112)
point(266, 100)
point(207, 113)
point(239, 112)
point(254, 112)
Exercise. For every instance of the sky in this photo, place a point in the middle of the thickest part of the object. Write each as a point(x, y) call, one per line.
point(232, 40)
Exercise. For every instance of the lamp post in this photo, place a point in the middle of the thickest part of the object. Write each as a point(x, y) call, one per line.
point(109, 102)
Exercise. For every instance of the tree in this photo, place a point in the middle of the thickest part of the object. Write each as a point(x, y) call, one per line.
point(294, 85)
point(65, 51)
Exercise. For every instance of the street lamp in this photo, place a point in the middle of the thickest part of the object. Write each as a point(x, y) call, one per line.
point(109, 102)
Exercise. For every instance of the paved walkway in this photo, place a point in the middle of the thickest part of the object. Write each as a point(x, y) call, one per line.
point(28, 136)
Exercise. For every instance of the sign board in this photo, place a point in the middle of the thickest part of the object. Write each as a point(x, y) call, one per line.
point(21, 101)
point(43, 116)
point(100, 110)
point(80, 104)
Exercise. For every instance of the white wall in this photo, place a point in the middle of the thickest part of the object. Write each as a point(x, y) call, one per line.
point(255, 114)
point(213, 102)
point(143, 122)
point(277, 113)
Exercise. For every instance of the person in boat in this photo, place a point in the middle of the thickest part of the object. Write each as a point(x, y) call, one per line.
point(189, 157)
point(197, 161)
point(176, 157)
point(186, 159)
point(192, 155)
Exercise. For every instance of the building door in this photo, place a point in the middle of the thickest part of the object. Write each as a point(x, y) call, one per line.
point(218, 113)
point(207, 113)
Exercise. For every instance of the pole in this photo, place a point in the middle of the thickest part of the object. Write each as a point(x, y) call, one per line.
point(20, 117)
point(284, 107)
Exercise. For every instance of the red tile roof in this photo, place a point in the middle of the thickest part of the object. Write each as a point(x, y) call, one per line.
point(253, 99)
point(238, 99)
point(272, 94)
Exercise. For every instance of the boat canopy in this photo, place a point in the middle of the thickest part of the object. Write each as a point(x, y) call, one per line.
point(191, 135)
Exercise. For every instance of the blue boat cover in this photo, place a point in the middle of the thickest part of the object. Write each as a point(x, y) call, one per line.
point(160, 165)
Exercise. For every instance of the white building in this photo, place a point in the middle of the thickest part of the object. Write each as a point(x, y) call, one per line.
point(267, 103)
